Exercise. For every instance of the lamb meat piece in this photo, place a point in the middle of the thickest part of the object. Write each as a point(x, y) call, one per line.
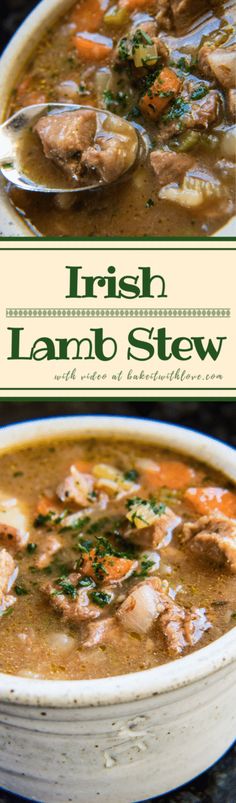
point(74, 607)
point(51, 545)
point(218, 63)
point(185, 12)
point(199, 114)
point(179, 14)
point(66, 136)
point(76, 487)
point(103, 632)
point(108, 157)
point(182, 628)
point(170, 166)
point(231, 103)
point(156, 535)
point(8, 575)
point(196, 623)
point(13, 524)
point(214, 538)
point(172, 626)
point(149, 602)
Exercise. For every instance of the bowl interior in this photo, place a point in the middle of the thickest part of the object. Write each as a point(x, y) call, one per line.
point(12, 62)
point(152, 681)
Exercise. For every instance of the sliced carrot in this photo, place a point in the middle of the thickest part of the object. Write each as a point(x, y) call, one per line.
point(107, 567)
point(208, 500)
point(83, 466)
point(87, 15)
point(169, 474)
point(93, 48)
point(47, 504)
point(164, 89)
point(135, 5)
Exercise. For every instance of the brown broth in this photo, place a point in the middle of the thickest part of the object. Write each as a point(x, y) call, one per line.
point(27, 629)
point(130, 208)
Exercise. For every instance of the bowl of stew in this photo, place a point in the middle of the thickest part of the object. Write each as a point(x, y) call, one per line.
point(117, 607)
point(167, 67)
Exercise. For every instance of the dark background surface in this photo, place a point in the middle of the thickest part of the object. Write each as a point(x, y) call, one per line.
point(217, 419)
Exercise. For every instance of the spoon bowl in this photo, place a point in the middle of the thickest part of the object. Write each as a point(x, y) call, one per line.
point(13, 138)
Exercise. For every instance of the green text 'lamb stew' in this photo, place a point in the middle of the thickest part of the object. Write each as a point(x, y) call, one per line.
point(114, 557)
point(165, 65)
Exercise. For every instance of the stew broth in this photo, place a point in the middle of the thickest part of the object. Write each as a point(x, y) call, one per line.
point(156, 64)
point(112, 577)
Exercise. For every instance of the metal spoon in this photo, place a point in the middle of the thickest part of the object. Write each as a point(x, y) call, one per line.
point(14, 131)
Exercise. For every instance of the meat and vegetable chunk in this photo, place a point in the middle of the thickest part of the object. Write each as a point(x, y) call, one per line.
point(79, 143)
point(118, 573)
point(214, 538)
point(165, 71)
point(8, 574)
point(66, 136)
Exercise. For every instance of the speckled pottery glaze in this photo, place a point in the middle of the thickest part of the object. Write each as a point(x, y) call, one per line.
point(127, 738)
point(11, 63)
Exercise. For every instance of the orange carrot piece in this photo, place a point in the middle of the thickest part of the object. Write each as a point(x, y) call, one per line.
point(210, 500)
point(84, 466)
point(93, 48)
point(47, 504)
point(115, 568)
point(171, 474)
point(153, 103)
point(135, 5)
point(87, 15)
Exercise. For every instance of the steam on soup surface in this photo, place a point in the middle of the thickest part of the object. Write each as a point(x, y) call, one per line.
point(114, 557)
point(168, 66)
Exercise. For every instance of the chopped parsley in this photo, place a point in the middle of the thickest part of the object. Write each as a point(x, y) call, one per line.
point(20, 590)
point(199, 92)
point(131, 475)
point(149, 203)
point(66, 587)
point(101, 598)
point(31, 548)
point(86, 582)
point(178, 109)
point(114, 100)
point(145, 565)
point(42, 519)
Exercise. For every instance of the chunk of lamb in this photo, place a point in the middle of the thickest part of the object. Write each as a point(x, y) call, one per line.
point(77, 487)
point(51, 545)
point(103, 632)
point(109, 157)
point(231, 102)
point(13, 523)
point(198, 114)
point(157, 534)
point(149, 602)
point(219, 63)
point(8, 575)
point(181, 628)
point(74, 607)
point(169, 166)
point(66, 136)
point(179, 14)
point(214, 538)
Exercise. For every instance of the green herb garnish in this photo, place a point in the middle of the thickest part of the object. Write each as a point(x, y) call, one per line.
point(20, 590)
point(101, 598)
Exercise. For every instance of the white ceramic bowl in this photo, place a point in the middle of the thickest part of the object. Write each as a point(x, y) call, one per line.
point(12, 62)
point(126, 738)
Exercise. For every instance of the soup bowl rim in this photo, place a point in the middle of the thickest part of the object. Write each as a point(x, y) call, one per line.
point(149, 682)
point(12, 61)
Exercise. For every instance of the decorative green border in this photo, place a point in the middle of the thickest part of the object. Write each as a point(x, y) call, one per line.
point(153, 391)
point(112, 312)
